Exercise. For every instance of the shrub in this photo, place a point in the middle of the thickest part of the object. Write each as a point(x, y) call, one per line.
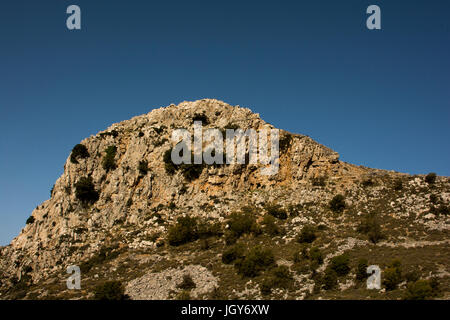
point(170, 167)
point(240, 223)
point(85, 191)
point(187, 283)
point(367, 183)
point(398, 185)
point(143, 167)
point(191, 171)
point(371, 227)
point(330, 279)
point(282, 276)
point(270, 226)
point(30, 220)
point(79, 152)
point(430, 178)
point(276, 211)
point(316, 255)
point(361, 270)
point(255, 261)
point(232, 254)
point(412, 276)
point(392, 275)
point(108, 162)
point(319, 181)
point(337, 204)
point(110, 290)
point(340, 264)
point(184, 295)
point(200, 117)
point(307, 235)
point(419, 290)
point(185, 230)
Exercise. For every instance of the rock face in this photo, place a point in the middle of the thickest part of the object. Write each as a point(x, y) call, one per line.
point(132, 203)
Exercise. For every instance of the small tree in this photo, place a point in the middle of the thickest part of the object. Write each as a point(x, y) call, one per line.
point(110, 290)
point(392, 275)
point(79, 152)
point(108, 162)
point(330, 279)
point(430, 178)
point(143, 167)
point(340, 264)
point(276, 211)
point(85, 191)
point(30, 220)
point(185, 230)
point(361, 270)
point(255, 261)
point(337, 204)
point(241, 222)
point(307, 235)
point(187, 283)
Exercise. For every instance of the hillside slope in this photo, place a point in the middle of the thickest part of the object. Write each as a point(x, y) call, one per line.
point(126, 229)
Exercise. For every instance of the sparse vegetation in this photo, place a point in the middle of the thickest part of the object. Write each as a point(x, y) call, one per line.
point(79, 152)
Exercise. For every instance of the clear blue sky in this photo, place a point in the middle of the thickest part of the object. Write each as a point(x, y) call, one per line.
point(379, 98)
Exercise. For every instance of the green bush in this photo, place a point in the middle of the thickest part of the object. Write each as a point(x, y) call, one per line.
point(319, 181)
point(190, 171)
point(430, 178)
point(110, 290)
point(330, 279)
point(340, 264)
point(241, 223)
point(392, 275)
point(276, 211)
point(187, 283)
point(170, 167)
point(108, 162)
point(371, 227)
point(85, 191)
point(79, 152)
point(143, 167)
point(30, 220)
point(398, 185)
point(200, 117)
point(185, 230)
point(361, 270)
point(316, 255)
point(270, 226)
point(307, 235)
point(337, 204)
point(419, 290)
point(279, 277)
point(255, 261)
point(232, 254)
